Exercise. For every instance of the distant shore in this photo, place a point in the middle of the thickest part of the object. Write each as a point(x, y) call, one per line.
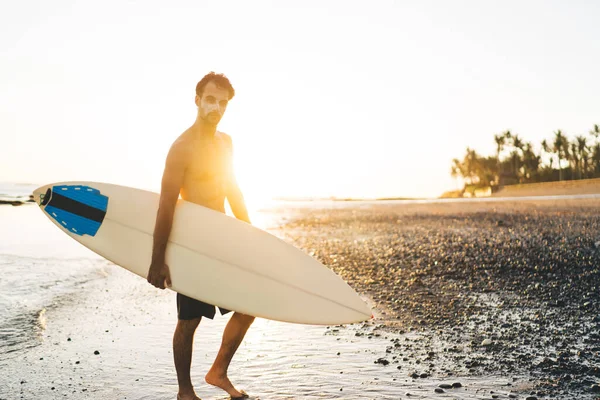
point(557, 188)
point(17, 201)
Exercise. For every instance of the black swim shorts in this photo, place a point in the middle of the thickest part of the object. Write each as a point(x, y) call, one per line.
point(188, 308)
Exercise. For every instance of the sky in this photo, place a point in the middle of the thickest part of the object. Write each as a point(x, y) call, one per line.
point(333, 98)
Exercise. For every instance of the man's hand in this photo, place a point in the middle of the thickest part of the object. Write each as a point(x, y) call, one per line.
point(159, 275)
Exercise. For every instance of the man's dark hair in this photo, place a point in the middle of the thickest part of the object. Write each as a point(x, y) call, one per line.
point(219, 79)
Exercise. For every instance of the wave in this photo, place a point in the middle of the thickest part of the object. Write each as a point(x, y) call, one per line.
point(33, 285)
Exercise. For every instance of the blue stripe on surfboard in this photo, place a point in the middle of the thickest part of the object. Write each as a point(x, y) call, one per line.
point(83, 194)
point(72, 222)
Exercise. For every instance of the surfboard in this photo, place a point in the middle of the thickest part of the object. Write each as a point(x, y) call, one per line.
point(212, 256)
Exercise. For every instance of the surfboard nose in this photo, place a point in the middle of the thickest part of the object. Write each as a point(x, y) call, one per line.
point(42, 195)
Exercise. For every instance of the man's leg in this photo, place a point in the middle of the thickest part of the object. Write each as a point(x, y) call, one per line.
point(183, 341)
point(232, 337)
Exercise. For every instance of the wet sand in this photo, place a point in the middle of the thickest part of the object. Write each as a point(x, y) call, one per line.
point(442, 278)
point(505, 288)
point(110, 339)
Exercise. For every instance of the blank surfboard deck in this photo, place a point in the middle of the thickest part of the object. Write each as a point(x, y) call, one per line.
point(212, 257)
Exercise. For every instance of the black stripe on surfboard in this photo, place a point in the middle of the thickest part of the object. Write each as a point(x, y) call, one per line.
point(76, 207)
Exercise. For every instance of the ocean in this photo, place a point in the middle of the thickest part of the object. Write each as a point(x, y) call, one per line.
point(10, 191)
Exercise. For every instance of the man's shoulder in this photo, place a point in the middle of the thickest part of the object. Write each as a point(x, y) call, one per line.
point(225, 139)
point(182, 145)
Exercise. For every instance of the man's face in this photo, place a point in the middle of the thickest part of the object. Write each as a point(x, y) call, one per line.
point(212, 104)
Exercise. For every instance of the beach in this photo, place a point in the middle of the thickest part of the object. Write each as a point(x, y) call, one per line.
point(498, 298)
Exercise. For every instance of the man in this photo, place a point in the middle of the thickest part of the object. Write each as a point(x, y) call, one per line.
point(199, 167)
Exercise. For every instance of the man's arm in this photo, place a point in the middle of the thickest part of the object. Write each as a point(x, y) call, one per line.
point(172, 180)
point(234, 193)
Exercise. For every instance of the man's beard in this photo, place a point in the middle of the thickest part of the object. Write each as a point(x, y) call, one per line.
point(211, 119)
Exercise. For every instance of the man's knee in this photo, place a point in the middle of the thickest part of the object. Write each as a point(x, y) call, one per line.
point(187, 326)
point(244, 319)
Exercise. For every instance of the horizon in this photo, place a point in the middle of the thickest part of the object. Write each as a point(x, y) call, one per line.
point(332, 100)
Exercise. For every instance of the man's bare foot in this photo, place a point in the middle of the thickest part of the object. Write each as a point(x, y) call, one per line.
point(188, 397)
point(224, 383)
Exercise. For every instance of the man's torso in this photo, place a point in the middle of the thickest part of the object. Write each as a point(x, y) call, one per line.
point(207, 171)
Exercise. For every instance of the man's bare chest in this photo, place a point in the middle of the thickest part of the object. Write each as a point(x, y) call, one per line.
point(208, 161)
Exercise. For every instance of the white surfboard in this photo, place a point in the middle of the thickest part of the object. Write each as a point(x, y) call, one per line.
point(212, 257)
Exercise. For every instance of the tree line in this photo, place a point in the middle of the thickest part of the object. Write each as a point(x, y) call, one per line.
point(516, 160)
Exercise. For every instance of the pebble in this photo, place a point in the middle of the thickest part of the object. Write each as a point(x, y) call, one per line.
point(438, 390)
point(456, 385)
point(486, 342)
point(96, 352)
point(445, 386)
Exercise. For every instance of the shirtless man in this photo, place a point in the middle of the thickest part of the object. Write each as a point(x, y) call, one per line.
point(199, 167)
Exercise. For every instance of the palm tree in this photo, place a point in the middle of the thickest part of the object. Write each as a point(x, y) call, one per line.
point(531, 161)
point(596, 158)
point(568, 156)
point(574, 159)
point(582, 149)
point(500, 142)
point(471, 164)
point(546, 149)
point(558, 148)
point(596, 133)
point(456, 169)
point(517, 143)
